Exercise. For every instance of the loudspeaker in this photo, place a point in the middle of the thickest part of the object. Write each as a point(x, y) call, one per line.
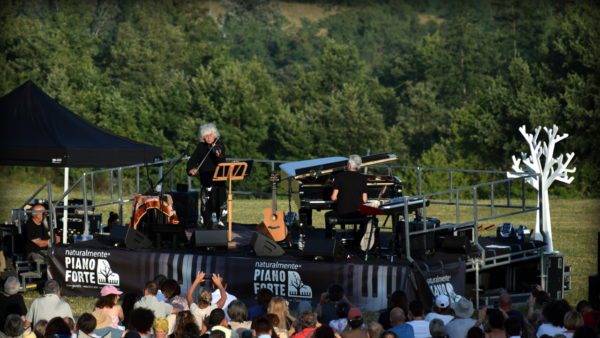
point(185, 204)
point(556, 276)
point(132, 238)
point(137, 240)
point(328, 249)
point(118, 233)
point(265, 247)
point(456, 244)
point(210, 238)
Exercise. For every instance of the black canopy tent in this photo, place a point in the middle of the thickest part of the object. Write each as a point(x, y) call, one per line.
point(35, 130)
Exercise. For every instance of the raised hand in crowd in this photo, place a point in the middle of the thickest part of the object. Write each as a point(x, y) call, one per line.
point(216, 279)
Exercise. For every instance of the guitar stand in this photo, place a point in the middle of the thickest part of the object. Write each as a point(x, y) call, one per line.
point(374, 229)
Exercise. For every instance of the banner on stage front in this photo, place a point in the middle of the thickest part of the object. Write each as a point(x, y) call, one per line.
point(84, 271)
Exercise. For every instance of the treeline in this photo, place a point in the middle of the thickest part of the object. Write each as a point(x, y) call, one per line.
point(441, 84)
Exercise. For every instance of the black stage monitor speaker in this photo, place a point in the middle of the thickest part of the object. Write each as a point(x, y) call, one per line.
point(456, 244)
point(118, 233)
point(265, 247)
point(556, 276)
point(322, 248)
point(210, 238)
point(132, 238)
point(136, 240)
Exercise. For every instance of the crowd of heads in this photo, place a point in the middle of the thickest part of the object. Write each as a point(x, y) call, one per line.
point(268, 316)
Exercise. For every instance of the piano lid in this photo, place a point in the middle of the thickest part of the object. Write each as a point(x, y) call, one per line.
point(291, 168)
point(329, 164)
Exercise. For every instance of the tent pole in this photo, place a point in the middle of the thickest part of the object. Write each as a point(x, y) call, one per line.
point(86, 225)
point(120, 178)
point(51, 214)
point(65, 209)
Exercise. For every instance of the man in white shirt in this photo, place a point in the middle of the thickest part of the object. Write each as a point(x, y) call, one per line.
point(441, 310)
point(216, 295)
point(151, 302)
point(48, 306)
point(419, 324)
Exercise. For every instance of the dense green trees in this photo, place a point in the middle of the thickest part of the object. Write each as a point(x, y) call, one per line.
point(438, 84)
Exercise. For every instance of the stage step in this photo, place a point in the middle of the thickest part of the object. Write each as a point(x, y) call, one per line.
point(27, 277)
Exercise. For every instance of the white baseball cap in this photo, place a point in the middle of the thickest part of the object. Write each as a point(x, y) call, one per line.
point(442, 301)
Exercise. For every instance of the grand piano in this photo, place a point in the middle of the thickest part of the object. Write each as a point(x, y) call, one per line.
point(315, 179)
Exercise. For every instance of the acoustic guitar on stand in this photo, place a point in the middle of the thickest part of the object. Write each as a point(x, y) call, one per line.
point(273, 225)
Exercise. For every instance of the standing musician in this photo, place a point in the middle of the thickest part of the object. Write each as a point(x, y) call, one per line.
point(208, 154)
point(349, 191)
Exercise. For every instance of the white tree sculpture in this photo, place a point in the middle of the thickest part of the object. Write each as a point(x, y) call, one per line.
point(541, 161)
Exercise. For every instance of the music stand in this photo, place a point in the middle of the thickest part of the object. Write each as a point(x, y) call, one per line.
point(230, 171)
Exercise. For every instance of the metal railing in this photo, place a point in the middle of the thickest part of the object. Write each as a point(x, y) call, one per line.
point(88, 182)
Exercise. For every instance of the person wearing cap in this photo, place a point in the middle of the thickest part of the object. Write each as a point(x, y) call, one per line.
point(11, 301)
point(37, 233)
point(441, 310)
point(463, 310)
point(108, 304)
point(355, 328)
point(49, 306)
point(399, 325)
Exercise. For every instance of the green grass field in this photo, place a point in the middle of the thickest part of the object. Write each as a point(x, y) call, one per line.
point(574, 226)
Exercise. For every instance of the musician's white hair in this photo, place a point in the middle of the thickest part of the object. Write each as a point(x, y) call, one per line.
point(209, 128)
point(354, 161)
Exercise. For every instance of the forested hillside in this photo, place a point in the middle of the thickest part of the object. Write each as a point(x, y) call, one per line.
point(441, 84)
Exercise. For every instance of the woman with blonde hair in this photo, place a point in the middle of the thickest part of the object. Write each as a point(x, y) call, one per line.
point(573, 320)
point(202, 308)
point(279, 306)
point(161, 327)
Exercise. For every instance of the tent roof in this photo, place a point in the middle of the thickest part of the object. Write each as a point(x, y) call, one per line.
point(35, 130)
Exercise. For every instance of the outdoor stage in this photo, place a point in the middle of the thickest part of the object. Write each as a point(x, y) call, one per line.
point(84, 268)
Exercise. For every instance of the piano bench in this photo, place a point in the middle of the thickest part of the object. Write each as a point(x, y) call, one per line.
point(331, 220)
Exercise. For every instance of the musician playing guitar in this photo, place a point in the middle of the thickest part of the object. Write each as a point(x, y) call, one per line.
point(349, 191)
point(208, 154)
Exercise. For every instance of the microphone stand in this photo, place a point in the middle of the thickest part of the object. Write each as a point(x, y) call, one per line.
point(162, 191)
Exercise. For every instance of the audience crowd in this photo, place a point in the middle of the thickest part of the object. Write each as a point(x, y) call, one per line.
point(209, 310)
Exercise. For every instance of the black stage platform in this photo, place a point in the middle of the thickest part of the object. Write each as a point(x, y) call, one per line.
point(84, 268)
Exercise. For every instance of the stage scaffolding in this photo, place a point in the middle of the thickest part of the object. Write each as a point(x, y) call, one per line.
point(490, 200)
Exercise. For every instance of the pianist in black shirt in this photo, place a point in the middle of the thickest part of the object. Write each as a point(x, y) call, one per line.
point(208, 154)
point(349, 191)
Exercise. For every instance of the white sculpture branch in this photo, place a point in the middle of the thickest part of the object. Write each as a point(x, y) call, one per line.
point(552, 169)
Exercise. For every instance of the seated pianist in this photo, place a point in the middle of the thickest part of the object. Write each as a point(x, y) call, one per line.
point(37, 234)
point(349, 191)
